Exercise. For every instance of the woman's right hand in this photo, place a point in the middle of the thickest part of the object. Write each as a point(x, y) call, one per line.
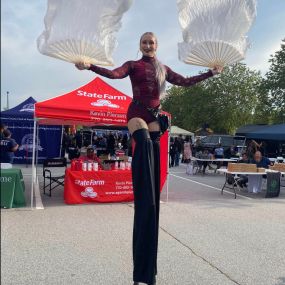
point(82, 65)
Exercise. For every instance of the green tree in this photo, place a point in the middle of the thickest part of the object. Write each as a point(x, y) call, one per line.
point(225, 102)
point(274, 85)
point(185, 106)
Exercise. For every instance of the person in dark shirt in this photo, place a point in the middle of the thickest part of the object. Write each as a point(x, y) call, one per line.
point(66, 141)
point(178, 149)
point(125, 143)
point(111, 142)
point(79, 138)
point(219, 151)
point(243, 178)
point(148, 78)
point(7, 146)
point(171, 153)
point(73, 150)
point(260, 160)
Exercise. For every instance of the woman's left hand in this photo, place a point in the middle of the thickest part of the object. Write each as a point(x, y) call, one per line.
point(217, 69)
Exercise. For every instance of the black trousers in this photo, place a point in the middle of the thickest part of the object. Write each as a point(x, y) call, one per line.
point(146, 185)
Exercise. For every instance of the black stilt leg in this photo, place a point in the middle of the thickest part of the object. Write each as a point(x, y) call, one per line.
point(145, 217)
point(155, 137)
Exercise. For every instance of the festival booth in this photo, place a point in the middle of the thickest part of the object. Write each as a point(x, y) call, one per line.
point(273, 137)
point(176, 131)
point(20, 121)
point(94, 104)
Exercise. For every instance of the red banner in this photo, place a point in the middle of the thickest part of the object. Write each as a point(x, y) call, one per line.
point(163, 159)
point(98, 186)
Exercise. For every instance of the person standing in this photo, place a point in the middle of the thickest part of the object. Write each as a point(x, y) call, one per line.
point(111, 142)
point(7, 147)
point(125, 143)
point(219, 153)
point(148, 77)
point(187, 150)
point(243, 179)
point(171, 153)
point(178, 149)
point(66, 141)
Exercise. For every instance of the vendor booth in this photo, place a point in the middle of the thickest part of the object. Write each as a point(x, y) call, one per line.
point(272, 136)
point(95, 104)
point(20, 121)
point(176, 131)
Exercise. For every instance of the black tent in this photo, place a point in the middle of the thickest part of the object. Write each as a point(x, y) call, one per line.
point(263, 132)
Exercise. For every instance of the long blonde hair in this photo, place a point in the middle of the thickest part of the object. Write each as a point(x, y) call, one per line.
point(160, 70)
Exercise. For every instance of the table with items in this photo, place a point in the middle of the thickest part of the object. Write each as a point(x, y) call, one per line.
point(12, 188)
point(90, 181)
point(255, 179)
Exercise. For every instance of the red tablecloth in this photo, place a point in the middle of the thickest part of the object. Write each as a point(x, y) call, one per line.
point(98, 186)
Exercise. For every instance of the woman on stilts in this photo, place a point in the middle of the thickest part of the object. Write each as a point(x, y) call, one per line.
point(148, 77)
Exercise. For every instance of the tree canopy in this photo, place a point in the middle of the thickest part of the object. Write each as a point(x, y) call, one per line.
point(274, 85)
point(224, 102)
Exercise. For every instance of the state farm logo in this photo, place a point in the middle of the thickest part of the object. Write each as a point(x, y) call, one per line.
point(103, 102)
point(89, 192)
point(28, 108)
point(27, 143)
point(90, 182)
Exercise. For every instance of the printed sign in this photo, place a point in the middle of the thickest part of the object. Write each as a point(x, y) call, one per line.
point(273, 184)
point(98, 186)
point(28, 108)
point(104, 103)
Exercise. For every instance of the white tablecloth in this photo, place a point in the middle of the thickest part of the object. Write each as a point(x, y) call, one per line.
point(254, 183)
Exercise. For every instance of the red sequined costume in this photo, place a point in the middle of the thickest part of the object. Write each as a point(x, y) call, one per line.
point(145, 85)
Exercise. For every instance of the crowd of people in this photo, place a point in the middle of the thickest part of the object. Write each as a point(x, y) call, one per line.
point(183, 149)
point(8, 146)
point(104, 143)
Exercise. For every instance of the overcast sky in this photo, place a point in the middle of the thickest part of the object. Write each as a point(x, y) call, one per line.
point(25, 72)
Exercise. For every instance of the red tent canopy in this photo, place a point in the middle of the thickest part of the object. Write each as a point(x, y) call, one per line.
point(96, 103)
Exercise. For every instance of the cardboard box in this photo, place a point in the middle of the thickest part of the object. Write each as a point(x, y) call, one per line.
point(278, 167)
point(242, 167)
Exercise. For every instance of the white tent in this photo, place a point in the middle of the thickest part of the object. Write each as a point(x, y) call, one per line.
point(175, 131)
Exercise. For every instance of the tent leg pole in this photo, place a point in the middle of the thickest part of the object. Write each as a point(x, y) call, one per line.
point(62, 127)
point(37, 150)
point(167, 178)
point(33, 163)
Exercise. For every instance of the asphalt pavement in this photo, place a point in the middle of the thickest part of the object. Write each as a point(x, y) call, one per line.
point(205, 238)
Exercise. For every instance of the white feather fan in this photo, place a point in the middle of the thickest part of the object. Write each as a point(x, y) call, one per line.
point(214, 31)
point(82, 31)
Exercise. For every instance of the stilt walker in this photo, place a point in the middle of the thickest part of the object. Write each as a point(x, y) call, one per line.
point(148, 77)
